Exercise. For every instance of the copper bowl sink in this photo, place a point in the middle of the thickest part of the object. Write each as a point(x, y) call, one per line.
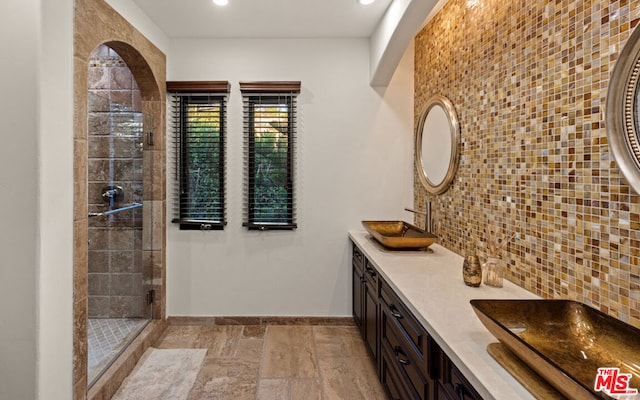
point(399, 234)
point(564, 341)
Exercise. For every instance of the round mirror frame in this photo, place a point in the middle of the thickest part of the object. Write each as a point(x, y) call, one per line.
point(454, 127)
point(622, 131)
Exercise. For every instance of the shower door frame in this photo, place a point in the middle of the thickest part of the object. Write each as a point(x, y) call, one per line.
point(148, 65)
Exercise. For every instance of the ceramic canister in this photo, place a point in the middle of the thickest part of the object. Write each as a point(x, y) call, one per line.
point(472, 271)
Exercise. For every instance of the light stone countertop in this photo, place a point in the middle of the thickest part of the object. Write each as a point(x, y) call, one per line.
point(431, 286)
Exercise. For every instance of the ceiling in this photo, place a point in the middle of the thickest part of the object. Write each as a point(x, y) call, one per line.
point(264, 18)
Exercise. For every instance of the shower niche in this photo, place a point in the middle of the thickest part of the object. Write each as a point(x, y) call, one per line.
point(119, 287)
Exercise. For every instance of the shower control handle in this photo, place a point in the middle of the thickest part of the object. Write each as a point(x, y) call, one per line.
point(111, 194)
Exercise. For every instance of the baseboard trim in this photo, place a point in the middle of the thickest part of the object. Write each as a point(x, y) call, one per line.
point(266, 320)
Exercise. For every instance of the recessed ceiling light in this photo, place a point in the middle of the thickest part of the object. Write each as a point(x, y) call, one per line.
point(221, 2)
point(365, 2)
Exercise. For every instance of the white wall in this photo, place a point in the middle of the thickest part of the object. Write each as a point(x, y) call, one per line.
point(136, 17)
point(395, 31)
point(55, 174)
point(18, 185)
point(36, 204)
point(354, 163)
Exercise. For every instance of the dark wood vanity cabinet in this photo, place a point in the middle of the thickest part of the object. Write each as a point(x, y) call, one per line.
point(409, 362)
point(407, 349)
point(371, 310)
point(365, 301)
point(452, 385)
point(357, 264)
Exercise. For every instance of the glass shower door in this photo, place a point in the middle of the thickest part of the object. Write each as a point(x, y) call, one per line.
point(118, 285)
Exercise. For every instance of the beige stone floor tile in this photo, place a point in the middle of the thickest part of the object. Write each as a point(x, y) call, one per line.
point(352, 378)
point(250, 348)
point(178, 337)
point(221, 341)
point(226, 379)
point(305, 389)
point(254, 331)
point(338, 341)
point(289, 352)
point(279, 362)
point(289, 389)
point(272, 389)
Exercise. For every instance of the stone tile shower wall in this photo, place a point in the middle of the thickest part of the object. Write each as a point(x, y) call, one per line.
point(115, 150)
point(529, 79)
point(95, 23)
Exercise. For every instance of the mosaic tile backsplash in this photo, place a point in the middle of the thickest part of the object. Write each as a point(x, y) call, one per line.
point(529, 82)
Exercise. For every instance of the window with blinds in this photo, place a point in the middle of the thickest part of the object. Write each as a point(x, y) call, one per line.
point(269, 119)
point(199, 128)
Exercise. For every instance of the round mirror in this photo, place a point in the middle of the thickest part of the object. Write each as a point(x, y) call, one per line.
point(623, 110)
point(437, 140)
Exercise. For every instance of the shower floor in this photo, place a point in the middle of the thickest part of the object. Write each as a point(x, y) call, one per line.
point(106, 338)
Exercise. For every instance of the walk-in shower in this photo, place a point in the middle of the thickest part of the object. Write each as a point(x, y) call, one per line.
point(118, 285)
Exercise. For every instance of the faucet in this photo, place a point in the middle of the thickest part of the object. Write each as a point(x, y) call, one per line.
point(428, 222)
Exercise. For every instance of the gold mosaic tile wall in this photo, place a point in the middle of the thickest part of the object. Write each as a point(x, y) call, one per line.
point(529, 80)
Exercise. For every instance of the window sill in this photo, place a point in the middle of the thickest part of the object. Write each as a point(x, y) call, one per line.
point(194, 225)
point(269, 226)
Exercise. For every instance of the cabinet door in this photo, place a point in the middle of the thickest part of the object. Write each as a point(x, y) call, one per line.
point(390, 377)
point(461, 387)
point(397, 346)
point(445, 393)
point(371, 319)
point(452, 384)
point(418, 340)
point(357, 292)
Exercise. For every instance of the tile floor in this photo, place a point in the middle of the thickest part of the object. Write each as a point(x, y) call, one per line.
point(278, 362)
point(106, 337)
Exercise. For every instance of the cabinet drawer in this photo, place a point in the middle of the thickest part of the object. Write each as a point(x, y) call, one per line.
point(390, 377)
point(461, 386)
point(445, 393)
point(408, 325)
point(408, 363)
point(357, 258)
point(371, 275)
point(452, 384)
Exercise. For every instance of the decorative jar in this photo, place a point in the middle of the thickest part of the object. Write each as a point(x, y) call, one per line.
point(493, 271)
point(471, 271)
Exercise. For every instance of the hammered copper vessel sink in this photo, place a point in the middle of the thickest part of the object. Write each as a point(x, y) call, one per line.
point(564, 341)
point(399, 234)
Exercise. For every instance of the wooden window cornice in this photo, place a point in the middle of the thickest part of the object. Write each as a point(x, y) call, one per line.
point(198, 86)
point(270, 87)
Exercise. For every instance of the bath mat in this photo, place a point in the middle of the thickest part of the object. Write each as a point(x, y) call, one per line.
point(166, 374)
